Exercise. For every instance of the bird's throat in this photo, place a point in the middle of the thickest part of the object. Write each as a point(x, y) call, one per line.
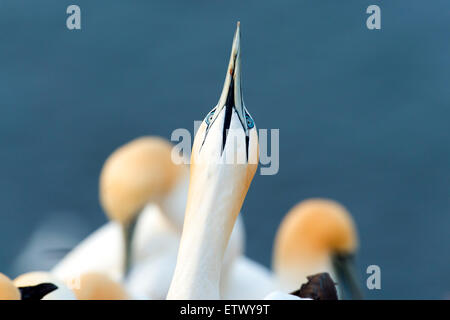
point(211, 212)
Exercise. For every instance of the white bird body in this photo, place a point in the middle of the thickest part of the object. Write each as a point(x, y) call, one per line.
point(98, 252)
point(248, 280)
point(102, 251)
point(151, 276)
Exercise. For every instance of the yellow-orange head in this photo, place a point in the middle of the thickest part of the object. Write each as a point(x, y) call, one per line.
point(309, 235)
point(135, 174)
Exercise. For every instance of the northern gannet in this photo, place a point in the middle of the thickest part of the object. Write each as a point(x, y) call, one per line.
point(134, 175)
point(223, 162)
point(317, 235)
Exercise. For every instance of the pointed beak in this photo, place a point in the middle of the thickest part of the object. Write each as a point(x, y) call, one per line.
point(347, 280)
point(37, 292)
point(231, 96)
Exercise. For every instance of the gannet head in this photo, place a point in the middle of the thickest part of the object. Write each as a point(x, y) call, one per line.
point(227, 137)
point(225, 148)
point(314, 236)
point(97, 286)
point(59, 291)
point(8, 291)
point(135, 174)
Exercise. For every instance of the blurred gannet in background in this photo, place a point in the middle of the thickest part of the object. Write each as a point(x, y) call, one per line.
point(138, 180)
point(223, 162)
point(317, 235)
point(136, 174)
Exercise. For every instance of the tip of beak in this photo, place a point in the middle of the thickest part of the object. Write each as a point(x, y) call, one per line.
point(234, 64)
point(232, 86)
point(235, 50)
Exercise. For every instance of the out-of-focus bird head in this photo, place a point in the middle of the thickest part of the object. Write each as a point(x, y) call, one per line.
point(135, 174)
point(317, 235)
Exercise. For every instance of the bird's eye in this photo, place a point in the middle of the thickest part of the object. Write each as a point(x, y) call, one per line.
point(210, 117)
point(250, 122)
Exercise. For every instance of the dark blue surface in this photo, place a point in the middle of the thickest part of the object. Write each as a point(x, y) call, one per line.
point(363, 115)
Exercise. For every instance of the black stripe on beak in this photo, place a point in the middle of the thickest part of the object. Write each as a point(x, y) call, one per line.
point(229, 105)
